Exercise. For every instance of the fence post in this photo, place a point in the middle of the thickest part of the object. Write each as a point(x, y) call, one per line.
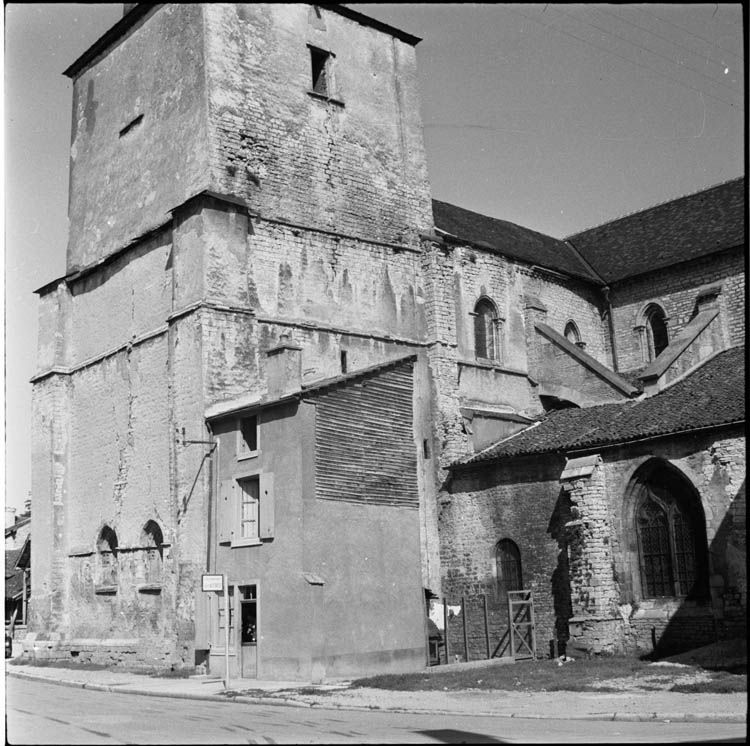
point(463, 615)
point(486, 626)
point(445, 625)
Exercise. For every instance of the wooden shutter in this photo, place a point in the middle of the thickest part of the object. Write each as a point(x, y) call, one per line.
point(226, 511)
point(266, 506)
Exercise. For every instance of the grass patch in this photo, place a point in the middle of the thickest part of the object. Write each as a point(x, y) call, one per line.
point(585, 675)
point(531, 676)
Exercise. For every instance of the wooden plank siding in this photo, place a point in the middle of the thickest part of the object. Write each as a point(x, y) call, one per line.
point(364, 441)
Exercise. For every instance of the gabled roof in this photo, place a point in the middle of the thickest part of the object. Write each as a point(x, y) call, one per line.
point(254, 402)
point(509, 239)
point(682, 229)
point(711, 396)
point(13, 576)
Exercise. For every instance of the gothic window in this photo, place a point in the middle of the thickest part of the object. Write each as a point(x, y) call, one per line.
point(656, 331)
point(671, 554)
point(106, 547)
point(152, 539)
point(485, 330)
point(508, 567)
point(571, 332)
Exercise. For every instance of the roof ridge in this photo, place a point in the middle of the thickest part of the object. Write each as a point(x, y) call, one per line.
point(654, 206)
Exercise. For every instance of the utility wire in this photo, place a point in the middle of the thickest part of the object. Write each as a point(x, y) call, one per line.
point(656, 54)
point(670, 41)
point(690, 33)
point(627, 59)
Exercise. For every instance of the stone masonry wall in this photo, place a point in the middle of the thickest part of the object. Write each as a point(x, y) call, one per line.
point(127, 173)
point(351, 161)
point(677, 291)
point(715, 466)
point(522, 502)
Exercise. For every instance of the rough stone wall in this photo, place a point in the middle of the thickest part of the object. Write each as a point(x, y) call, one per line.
point(522, 502)
point(677, 291)
point(355, 164)
point(123, 183)
point(715, 466)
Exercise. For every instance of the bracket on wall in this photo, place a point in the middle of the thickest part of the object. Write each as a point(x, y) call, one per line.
point(208, 453)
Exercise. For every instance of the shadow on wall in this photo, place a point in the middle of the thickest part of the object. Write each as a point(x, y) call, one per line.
point(721, 613)
point(560, 579)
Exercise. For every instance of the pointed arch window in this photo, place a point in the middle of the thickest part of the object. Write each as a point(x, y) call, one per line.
point(671, 541)
point(106, 548)
point(152, 540)
point(486, 324)
point(657, 335)
point(508, 567)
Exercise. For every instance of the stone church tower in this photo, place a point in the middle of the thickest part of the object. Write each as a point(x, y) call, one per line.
point(238, 172)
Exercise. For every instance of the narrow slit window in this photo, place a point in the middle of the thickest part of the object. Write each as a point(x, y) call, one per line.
point(344, 365)
point(321, 71)
point(124, 131)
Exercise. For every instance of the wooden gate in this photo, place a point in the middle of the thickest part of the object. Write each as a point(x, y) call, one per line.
point(521, 625)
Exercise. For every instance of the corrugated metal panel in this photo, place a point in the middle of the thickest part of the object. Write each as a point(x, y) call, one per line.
point(364, 442)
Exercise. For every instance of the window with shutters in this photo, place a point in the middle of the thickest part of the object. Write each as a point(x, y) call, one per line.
point(246, 510)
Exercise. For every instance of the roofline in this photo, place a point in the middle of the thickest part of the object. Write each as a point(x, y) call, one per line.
point(461, 466)
point(104, 42)
point(612, 283)
point(372, 22)
point(655, 205)
point(306, 390)
point(135, 14)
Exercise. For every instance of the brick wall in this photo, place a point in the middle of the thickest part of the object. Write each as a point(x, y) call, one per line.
point(356, 165)
point(677, 291)
point(523, 502)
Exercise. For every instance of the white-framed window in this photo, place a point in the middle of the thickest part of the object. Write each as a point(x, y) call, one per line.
point(249, 513)
point(248, 432)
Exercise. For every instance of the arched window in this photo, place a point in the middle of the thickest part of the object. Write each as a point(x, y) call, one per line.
point(571, 332)
point(671, 538)
point(656, 330)
point(485, 330)
point(106, 547)
point(508, 566)
point(152, 540)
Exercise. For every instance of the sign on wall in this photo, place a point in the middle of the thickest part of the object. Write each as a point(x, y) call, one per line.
point(213, 582)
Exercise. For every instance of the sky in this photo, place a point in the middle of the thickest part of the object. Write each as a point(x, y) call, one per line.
point(557, 117)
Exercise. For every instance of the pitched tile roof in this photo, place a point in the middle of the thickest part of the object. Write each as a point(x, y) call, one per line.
point(13, 577)
point(686, 228)
point(508, 239)
point(712, 395)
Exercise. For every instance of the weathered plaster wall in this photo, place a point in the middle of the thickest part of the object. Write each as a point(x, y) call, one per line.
point(356, 166)
point(677, 291)
point(118, 183)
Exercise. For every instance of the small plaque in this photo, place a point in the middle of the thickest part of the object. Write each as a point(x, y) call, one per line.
point(213, 582)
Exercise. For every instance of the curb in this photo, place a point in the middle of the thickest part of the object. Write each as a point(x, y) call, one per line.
point(654, 717)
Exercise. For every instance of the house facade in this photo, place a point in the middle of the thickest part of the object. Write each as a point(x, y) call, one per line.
point(279, 360)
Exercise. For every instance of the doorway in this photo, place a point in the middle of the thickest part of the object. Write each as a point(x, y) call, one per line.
point(249, 631)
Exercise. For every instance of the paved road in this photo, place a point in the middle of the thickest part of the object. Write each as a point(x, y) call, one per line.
point(42, 713)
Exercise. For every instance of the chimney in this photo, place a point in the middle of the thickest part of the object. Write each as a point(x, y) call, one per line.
point(10, 516)
point(283, 368)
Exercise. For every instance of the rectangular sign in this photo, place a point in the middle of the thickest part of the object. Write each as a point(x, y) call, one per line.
point(213, 582)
